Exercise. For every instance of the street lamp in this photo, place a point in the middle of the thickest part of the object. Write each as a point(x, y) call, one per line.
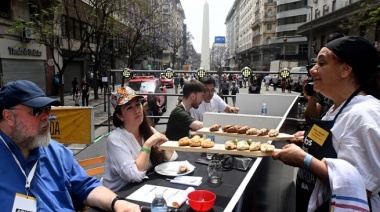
point(311, 33)
point(285, 39)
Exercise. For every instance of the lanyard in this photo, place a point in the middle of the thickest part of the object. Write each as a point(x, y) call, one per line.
point(31, 173)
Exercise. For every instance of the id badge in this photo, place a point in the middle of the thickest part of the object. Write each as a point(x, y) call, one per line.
point(24, 203)
point(318, 135)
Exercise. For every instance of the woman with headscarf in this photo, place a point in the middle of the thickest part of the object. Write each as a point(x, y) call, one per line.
point(347, 72)
point(134, 146)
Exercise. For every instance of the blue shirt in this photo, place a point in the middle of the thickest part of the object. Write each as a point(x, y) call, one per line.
point(59, 183)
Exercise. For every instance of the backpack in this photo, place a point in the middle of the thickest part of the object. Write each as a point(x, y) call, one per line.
point(225, 87)
point(234, 90)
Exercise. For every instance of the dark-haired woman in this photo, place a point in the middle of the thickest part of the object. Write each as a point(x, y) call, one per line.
point(133, 147)
point(348, 73)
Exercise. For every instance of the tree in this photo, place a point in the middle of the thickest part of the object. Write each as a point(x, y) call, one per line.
point(218, 55)
point(174, 39)
point(69, 26)
point(367, 17)
point(141, 31)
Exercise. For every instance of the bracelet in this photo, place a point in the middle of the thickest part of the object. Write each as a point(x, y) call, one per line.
point(307, 161)
point(114, 201)
point(143, 149)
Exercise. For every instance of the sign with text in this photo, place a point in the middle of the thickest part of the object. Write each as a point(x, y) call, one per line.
point(220, 39)
point(74, 125)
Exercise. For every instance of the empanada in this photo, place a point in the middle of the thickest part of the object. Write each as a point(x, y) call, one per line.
point(243, 130)
point(255, 146)
point(215, 127)
point(267, 147)
point(242, 145)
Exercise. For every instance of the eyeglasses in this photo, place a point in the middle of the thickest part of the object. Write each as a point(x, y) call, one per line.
point(36, 111)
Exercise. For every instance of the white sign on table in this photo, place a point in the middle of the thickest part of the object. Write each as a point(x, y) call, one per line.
point(174, 197)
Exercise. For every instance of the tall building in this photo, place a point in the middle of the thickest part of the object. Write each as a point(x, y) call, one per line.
point(205, 50)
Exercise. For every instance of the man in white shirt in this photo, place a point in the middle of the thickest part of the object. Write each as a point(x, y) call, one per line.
point(267, 79)
point(211, 102)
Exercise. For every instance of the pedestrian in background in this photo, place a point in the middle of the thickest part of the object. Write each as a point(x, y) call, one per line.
point(267, 80)
point(275, 82)
point(283, 85)
point(253, 87)
point(225, 90)
point(74, 88)
point(76, 100)
point(181, 81)
point(234, 90)
point(176, 83)
point(289, 83)
point(85, 92)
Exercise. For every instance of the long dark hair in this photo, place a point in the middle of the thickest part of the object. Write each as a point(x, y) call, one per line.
point(156, 157)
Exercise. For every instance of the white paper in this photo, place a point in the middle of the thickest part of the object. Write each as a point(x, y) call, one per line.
point(181, 198)
point(187, 180)
point(147, 193)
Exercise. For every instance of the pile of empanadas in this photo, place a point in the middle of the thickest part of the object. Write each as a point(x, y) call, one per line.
point(246, 130)
point(248, 145)
point(196, 141)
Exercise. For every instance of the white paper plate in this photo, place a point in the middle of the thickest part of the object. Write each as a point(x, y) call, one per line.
point(171, 168)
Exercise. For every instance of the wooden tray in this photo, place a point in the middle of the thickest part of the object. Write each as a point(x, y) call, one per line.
point(218, 148)
point(281, 136)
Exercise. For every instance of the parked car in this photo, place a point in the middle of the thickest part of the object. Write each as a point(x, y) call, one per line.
point(167, 82)
point(149, 84)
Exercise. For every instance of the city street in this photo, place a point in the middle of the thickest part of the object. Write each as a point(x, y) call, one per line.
point(100, 121)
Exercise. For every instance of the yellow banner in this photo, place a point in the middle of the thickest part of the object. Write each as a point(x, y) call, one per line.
point(72, 125)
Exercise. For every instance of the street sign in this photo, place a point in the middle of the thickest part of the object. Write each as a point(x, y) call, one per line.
point(246, 72)
point(201, 73)
point(169, 73)
point(284, 73)
point(127, 73)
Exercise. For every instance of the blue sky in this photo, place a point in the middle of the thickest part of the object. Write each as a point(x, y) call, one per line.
point(218, 10)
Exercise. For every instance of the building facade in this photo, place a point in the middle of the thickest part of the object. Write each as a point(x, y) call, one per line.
point(19, 57)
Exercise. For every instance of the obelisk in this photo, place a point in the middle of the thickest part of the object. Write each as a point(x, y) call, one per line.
point(205, 51)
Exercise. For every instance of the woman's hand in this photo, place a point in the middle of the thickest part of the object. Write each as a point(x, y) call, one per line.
point(156, 140)
point(291, 155)
point(298, 138)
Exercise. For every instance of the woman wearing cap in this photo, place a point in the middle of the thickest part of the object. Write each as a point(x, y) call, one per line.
point(133, 147)
point(347, 71)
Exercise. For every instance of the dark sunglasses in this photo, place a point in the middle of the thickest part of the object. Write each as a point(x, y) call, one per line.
point(36, 111)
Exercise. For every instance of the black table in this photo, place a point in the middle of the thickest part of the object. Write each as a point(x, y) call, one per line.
point(231, 181)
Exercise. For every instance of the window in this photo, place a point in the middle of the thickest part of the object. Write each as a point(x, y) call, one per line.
point(302, 49)
point(333, 5)
point(5, 9)
point(269, 26)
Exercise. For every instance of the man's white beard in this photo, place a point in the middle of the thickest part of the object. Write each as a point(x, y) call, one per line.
point(20, 136)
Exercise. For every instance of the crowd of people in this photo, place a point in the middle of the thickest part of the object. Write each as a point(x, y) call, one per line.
point(337, 156)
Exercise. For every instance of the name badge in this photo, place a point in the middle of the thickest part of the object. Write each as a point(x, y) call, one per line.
point(24, 203)
point(318, 135)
